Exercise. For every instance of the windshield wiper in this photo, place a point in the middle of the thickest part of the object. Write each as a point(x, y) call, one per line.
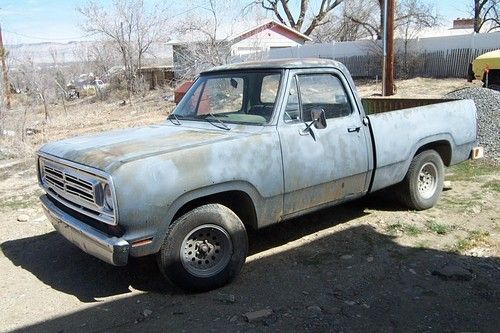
point(223, 125)
point(173, 116)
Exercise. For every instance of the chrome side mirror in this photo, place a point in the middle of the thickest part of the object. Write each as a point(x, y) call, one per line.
point(318, 117)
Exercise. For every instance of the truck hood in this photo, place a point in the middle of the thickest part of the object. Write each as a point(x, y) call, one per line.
point(108, 151)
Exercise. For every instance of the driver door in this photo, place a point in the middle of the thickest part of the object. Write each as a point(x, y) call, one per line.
point(328, 164)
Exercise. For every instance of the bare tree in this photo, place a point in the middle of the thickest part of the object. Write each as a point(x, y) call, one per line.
point(97, 57)
point(486, 12)
point(59, 78)
point(131, 27)
point(341, 28)
point(208, 44)
point(408, 13)
point(37, 83)
point(308, 18)
point(412, 16)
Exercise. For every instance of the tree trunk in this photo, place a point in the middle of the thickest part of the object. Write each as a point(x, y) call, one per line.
point(45, 108)
point(477, 15)
point(380, 32)
point(1, 119)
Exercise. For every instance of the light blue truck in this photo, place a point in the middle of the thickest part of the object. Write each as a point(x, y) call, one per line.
point(249, 145)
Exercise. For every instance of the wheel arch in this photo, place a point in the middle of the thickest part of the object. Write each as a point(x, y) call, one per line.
point(238, 201)
point(493, 77)
point(442, 147)
point(239, 196)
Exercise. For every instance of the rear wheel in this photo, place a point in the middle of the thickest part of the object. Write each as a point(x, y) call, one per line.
point(423, 183)
point(204, 249)
point(495, 86)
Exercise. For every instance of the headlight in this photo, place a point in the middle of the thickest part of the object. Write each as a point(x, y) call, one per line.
point(108, 197)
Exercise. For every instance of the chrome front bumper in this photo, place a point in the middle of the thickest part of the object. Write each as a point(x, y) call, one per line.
point(112, 250)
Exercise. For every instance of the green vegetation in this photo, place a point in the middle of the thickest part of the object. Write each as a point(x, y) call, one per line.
point(469, 170)
point(461, 204)
point(406, 229)
point(474, 239)
point(438, 228)
point(493, 185)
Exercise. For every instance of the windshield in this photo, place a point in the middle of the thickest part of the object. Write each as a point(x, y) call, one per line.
point(246, 98)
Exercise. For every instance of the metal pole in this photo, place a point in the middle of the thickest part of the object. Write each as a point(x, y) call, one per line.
point(384, 57)
point(4, 71)
point(389, 59)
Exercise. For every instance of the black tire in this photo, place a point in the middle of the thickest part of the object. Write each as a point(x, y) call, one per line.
point(423, 183)
point(495, 86)
point(204, 249)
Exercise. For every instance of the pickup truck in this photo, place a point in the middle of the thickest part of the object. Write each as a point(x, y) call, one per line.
point(249, 145)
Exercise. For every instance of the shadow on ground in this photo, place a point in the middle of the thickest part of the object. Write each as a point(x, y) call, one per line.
point(59, 264)
point(353, 280)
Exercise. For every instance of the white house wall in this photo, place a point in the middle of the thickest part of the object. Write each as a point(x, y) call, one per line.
point(263, 41)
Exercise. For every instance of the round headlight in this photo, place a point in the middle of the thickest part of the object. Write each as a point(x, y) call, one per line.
point(108, 197)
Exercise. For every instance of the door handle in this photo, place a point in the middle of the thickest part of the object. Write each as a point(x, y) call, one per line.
point(353, 129)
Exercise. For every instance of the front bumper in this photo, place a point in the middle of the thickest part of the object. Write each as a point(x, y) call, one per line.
point(112, 250)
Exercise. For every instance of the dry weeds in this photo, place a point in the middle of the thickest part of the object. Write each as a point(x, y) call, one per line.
point(86, 116)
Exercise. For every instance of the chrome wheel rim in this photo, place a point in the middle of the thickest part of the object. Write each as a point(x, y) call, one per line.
point(427, 180)
point(206, 250)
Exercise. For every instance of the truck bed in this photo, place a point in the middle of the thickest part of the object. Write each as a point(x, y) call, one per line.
point(373, 105)
point(451, 122)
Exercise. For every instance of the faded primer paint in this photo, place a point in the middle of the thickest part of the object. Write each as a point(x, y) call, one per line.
point(157, 169)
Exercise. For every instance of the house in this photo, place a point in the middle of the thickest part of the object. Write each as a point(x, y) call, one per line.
point(266, 36)
point(190, 58)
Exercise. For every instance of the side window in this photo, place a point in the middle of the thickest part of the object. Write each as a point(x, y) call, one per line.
point(323, 91)
point(269, 88)
point(292, 110)
point(190, 106)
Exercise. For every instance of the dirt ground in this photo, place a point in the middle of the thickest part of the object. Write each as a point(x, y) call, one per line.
point(368, 265)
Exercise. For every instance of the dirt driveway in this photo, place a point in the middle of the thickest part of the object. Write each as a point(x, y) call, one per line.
point(363, 266)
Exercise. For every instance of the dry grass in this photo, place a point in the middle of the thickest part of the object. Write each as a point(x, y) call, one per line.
point(84, 116)
point(416, 88)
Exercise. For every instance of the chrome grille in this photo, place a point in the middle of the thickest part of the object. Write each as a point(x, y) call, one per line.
point(76, 188)
point(72, 184)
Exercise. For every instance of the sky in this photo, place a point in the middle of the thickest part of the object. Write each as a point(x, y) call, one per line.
point(38, 21)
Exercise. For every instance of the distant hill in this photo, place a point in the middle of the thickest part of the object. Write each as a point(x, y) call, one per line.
point(159, 54)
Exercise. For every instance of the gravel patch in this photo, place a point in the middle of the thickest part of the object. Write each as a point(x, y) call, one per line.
point(488, 111)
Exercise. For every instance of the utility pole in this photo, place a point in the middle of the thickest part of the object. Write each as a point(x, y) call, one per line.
point(3, 55)
point(388, 65)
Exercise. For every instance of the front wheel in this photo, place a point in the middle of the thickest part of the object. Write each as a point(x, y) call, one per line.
point(423, 183)
point(204, 249)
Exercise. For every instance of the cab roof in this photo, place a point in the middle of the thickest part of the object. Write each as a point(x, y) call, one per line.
point(291, 63)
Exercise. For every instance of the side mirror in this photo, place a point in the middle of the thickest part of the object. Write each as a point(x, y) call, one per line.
point(319, 118)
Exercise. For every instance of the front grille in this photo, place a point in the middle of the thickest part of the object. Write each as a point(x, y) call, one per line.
point(76, 188)
point(69, 183)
